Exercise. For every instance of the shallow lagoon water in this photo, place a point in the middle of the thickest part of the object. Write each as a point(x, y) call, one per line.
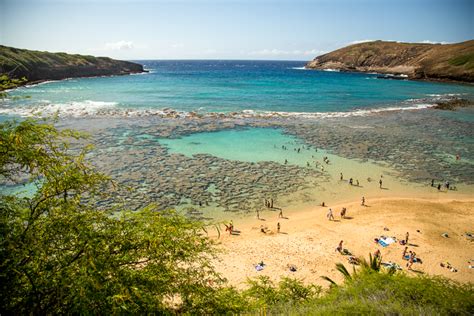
point(249, 145)
point(265, 144)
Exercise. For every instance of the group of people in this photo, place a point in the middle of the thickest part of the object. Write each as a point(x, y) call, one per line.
point(330, 214)
point(269, 203)
point(446, 185)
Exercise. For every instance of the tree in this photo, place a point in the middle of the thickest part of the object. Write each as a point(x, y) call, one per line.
point(60, 253)
point(8, 83)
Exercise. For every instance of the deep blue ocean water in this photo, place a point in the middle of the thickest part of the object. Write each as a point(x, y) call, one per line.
point(226, 86)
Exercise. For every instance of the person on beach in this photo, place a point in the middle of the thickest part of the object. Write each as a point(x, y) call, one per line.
point(258, 214)
point(380, 183)
point(357, 183)
point(406, 238)
point(404, 253)
point(432, 182)
point(439, 187)
point(339, 247)
point(342, 178)
point(262, 229)
point(271, 203)
point(286, 161)
point(411, 260)
point(323, 204)
point(343, 212)
point(350, 181)
point(363, 201)
point(330, 216)
point(278, 227)
point(447, 185)
point(280, 215)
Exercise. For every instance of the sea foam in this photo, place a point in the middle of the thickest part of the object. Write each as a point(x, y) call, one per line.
point(89, 108)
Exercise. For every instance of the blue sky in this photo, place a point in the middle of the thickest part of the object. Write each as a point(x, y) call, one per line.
point(219, 29)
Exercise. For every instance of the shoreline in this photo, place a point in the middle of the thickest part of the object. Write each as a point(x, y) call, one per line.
point(307, 239)
point(43, 81)
point(408, 78)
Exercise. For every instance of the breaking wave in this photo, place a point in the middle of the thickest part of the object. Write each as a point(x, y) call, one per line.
point(89, 108)
point(46, 108)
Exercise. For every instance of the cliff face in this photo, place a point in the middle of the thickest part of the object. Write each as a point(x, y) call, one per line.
point(417, 61)
point(37, 66)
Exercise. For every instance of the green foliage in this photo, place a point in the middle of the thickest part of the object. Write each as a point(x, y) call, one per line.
point(396, 294)
point(263, 292)
point(60, 254)
point(463, 60)
point(376, 291)
point(7, 83)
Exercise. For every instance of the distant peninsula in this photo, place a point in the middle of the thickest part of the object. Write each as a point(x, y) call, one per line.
point(444, 62)
point(37, 66)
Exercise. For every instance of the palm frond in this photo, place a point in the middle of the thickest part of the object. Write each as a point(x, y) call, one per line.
point(342, 269)
point(328, 279)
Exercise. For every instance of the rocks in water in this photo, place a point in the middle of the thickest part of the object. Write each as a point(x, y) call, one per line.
point(453, 103)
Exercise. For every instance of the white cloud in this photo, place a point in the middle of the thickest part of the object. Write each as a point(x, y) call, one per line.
point(361, 41)
point(314, 52)
point(120, 45)
point(433, 42)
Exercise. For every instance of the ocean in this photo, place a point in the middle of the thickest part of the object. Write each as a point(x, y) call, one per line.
point(229, 86)
point(214, 138)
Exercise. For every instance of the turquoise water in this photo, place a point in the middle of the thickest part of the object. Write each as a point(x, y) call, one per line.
point(226, 86)
point(249, 145)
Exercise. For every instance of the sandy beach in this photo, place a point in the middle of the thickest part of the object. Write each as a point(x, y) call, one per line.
point(308, 239)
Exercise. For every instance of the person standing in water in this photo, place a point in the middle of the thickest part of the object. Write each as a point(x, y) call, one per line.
point(380, 183)
point(363, 201)
point(278, 227)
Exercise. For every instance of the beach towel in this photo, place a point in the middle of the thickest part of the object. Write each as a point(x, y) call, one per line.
point(391, 265)
point(385, 241)
point(258, 267)
point(407, 257)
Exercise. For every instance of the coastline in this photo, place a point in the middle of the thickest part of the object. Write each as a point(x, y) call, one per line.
point(308, 240)
point(388, 73)
point(44, 81)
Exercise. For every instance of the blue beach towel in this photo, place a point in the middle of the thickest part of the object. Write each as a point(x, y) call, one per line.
point(382, 243)
point(407, 257)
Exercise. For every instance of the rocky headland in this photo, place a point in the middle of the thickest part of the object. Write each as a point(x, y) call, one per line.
point(38, 66)
point(446, 62)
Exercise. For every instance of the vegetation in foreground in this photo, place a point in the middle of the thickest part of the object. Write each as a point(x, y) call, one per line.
point(61, 254)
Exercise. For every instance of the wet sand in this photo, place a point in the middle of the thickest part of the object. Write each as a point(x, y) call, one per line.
point(308, 240)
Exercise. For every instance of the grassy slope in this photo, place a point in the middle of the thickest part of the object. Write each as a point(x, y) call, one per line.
point(418, 61)
point(36, 65)
point(384, 294)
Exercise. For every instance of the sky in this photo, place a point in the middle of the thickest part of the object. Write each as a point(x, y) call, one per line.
point(220, 29)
